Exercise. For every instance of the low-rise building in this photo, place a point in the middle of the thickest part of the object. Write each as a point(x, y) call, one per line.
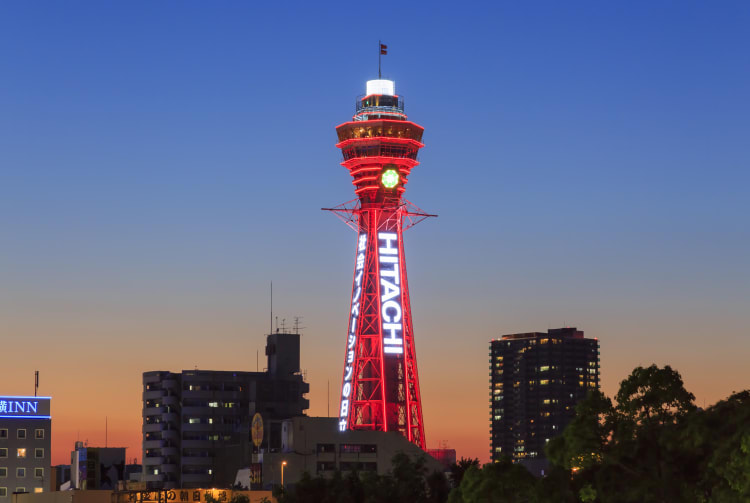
point(25, 431)
point(316, 446)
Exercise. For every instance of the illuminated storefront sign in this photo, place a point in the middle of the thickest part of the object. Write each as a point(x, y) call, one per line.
point(346, 388)
point(391, 312)
point(188, 496)
point(24, 407)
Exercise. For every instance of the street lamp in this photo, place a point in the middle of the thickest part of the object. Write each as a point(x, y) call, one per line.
point(283, 464)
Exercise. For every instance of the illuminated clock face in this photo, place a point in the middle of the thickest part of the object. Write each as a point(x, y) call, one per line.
point(389, 178)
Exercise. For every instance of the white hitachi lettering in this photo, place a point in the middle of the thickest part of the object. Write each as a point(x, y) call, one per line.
point(391, 311)
point(389, 291)
point(391, 273)
point(388, 237)
point(394, 307)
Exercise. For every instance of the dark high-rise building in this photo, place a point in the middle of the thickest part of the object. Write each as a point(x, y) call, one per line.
point(536, 379)
point(196, 424)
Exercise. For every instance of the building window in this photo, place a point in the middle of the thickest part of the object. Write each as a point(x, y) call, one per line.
point(3, 472)
point(3, 452)
point(20, 489)
point(39, 473)
point(326, 448)
point(21, 432)
point(3, 492)
point(358, 448)
point(38, 453)
point(20, 473)
point(39, 433)
point(21, 452)
point(326, 466)
point(3, 433)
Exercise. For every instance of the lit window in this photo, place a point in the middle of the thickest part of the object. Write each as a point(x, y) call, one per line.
point(21, 452)
point(194, 420)
point(544, 382)
point(546, 401)
point(39, 433)
point(156, 471)
point(543, 341)
point(544, 368)
point(213, 404)
point(38, 490)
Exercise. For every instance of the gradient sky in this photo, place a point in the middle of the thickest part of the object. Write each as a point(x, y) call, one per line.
point(162, 162)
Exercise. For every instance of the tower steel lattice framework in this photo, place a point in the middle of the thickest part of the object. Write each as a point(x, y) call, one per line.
point(380, 385)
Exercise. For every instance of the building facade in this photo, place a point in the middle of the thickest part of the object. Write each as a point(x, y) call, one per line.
point(536, 379)
point(97, 467)
point(314, 445)
point(196, 424)
point(25, 431)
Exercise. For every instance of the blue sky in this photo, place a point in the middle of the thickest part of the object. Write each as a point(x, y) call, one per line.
point(162, 162)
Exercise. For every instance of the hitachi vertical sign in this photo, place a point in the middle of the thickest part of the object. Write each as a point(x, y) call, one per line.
point(390, 293)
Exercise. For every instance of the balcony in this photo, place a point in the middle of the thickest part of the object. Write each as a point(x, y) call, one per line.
point(149, 428)
point(197, 460)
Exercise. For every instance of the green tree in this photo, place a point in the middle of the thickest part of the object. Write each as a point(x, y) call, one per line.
point(500, 482)
point(458, 469)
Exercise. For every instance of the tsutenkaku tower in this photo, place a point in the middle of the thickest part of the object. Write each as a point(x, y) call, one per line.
point(380, 387)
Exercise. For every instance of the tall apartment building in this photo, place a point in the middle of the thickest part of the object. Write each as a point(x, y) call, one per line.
point(25, 431)
point(196, 424)
point(536, 379)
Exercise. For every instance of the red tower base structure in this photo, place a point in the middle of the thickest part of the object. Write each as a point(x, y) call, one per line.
point(380, 388)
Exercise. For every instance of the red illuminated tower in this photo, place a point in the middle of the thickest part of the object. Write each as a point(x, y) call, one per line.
point(380, 388)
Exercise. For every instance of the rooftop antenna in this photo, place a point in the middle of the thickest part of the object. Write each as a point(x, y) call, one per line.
point(271, 320)
point(382, 50)
point(106, 431)
point(36, 381)
point(297, 326)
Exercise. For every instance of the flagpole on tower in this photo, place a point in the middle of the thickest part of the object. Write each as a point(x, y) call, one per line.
point(382, 49)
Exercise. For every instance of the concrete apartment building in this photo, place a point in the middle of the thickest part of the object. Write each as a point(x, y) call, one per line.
point(196, 423)
point(536, 380)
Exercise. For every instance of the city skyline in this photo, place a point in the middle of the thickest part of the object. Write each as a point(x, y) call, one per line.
point(161, 165)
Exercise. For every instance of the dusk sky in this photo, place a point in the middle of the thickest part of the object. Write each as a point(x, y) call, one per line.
point(162, 162)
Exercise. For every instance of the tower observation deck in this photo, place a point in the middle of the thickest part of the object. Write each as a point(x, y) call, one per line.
point(380, 385)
